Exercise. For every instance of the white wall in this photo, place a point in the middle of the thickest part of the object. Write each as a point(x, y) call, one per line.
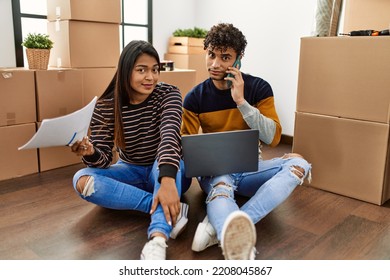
point(273, 30)
point(169, 15)
point(7, 47)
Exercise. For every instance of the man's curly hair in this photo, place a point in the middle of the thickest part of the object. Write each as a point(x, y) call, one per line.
point(223, 36)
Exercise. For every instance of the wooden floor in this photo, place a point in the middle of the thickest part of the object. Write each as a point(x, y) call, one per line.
point(41, 217)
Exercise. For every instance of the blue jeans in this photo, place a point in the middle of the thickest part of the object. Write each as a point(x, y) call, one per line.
point(125, 186)
point(267, 188)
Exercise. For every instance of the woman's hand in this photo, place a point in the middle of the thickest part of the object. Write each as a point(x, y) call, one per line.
point(169, 199)
point(83, 147)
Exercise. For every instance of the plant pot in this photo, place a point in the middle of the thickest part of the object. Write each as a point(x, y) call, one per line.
point(38, 58)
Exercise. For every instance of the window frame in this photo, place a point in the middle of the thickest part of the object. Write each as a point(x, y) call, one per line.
point(149, 25)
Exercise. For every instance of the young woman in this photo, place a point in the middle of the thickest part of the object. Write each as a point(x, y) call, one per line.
point(140, 118)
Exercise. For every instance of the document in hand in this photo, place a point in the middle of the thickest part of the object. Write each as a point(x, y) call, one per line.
point(64, 130)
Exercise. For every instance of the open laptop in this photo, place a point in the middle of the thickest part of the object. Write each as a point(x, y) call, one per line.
point(212, 154)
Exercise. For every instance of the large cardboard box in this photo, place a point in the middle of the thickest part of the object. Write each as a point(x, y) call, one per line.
point(56, 157)
point(366, 14)
point(85, 10)
point(15, 163)
point(183, 79)
point(95, 81)
point(190, 61)
point(79, 44)
point(345, 77)
point(17, 93)
point(348, 157)
point(59, 92)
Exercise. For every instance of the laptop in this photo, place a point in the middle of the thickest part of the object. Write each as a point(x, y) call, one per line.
point(219, 153)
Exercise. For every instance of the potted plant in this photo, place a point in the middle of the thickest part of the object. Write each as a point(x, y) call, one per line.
point(189, 41)
point(38, 48)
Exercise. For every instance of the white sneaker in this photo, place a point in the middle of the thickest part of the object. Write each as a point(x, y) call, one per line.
point(205, 236)
point(238, 237)
point(155, 249)
point(181, 221)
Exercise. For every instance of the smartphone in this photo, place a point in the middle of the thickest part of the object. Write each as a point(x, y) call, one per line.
point(236, 64)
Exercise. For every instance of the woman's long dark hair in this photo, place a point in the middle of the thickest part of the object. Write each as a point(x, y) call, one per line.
point(119, 88)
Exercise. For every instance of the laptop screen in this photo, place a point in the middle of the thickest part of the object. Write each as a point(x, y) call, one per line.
point(219, 153)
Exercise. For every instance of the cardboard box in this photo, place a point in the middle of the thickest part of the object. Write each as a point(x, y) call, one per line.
point(190, 61)
point(345, 77)
point(183, 79)
point(59, 92)
point(366, 14)
point(95, 82)
point(15, 163)
point(56, 157)
point(79, 44)
point(85, 10)
point(17, 92)
point(186, 45)
point(348, 157)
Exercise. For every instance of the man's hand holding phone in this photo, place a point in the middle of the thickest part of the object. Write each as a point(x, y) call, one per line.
point(237, 87)
point(236, 64)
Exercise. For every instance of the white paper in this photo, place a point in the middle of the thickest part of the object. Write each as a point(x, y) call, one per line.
point(64, 130)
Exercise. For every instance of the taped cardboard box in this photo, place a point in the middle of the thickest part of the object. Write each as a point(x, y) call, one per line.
point(80, 44)
point(17, 92)
point(84, 10)
point(366, 14)
point(59, 92)
point(345, 77)
point(15, 163)
point(349, 157)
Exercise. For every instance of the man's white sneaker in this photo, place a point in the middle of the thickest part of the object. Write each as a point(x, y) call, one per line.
point(181, 221)
point(238, 237)
point(205, 236)
point(155, 249)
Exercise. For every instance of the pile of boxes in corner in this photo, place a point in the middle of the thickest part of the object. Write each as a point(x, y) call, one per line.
point(82, 62)
point(189, 60)
point(342, 121)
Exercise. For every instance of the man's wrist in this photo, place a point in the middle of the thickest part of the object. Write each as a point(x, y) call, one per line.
point(240, 102)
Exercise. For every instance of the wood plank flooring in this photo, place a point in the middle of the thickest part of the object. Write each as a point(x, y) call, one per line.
point(41, 217)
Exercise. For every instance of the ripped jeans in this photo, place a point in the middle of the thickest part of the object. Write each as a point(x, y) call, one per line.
point(267, 188)
point(125, 186)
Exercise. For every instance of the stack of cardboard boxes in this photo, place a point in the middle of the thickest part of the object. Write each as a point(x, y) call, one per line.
point(86, 39)
point(17, 123)
point(82, 63)
point(342, 121)
point(83, 60)
point(187, 53)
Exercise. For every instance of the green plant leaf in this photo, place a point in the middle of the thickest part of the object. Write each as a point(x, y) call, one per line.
point(37, 41)
point(195, 32)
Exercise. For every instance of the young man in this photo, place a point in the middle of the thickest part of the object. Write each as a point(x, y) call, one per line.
point(236, 102)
